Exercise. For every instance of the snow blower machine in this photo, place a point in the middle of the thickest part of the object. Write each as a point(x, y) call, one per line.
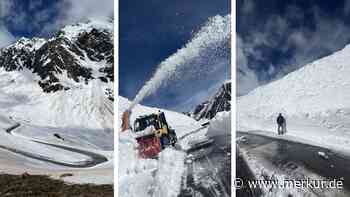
point(152, 133)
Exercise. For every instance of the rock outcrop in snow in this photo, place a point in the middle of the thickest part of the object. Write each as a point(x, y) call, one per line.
point(221, 101)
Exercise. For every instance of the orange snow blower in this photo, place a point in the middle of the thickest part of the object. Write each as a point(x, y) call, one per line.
point(125, 120)
point(152, 133)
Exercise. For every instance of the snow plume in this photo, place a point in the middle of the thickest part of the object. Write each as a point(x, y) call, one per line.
point(213, 36)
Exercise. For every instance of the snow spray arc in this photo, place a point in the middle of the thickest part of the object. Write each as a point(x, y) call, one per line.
point(212, 35)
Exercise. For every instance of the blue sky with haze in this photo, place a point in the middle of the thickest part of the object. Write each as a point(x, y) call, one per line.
point(42, 18)
point(276, 37)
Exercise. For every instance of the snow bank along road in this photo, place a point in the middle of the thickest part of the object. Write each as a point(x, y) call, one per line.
point(95, 158)
point(294, 160)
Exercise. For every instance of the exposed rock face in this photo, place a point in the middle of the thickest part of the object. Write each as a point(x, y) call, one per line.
point(20, 55)
point(219, 102)
point(76, 54)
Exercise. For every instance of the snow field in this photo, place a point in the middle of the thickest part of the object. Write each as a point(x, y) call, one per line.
point(150, 177)
point(314, 99)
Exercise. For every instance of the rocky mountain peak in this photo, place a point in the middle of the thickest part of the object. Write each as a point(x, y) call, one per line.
point(75, 55)
point(221, 101)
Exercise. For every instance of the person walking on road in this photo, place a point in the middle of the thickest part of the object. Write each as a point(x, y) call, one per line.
point(281, 124)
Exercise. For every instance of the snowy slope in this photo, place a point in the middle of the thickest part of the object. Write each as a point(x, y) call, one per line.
point(64, 82)
point(141, 177)
point(315, 100)
point(59, 86)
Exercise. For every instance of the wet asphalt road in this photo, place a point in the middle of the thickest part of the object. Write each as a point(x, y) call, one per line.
point(209, 172)
point(243, 172)
point(289, 156)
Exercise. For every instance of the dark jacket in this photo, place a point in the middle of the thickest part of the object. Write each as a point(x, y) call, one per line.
point(280, 120)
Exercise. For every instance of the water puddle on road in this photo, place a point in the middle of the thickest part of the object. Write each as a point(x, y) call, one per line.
point(208, 170)
point(290, 156)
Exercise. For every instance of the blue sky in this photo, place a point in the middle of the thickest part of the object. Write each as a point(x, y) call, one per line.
point(276, 37)
point(151, 31)
point(42, 18)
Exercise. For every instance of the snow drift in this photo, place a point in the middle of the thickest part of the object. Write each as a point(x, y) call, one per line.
point(315, 100)
point(220, 124)
point(140, 177)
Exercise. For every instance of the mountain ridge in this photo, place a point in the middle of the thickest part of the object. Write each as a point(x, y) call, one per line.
point(66, 58)
point(219, 102)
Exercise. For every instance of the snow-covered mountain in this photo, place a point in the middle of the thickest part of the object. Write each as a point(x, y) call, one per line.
point(313, 98)
point(56, 104)
point(65, 81)
point(76, 54)
point(221, 101)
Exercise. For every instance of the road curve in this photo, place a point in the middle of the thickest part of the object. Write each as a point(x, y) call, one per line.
point(95, 158)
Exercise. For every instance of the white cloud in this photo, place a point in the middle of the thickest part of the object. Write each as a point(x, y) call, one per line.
point(248, 7)
point(75, 11)
point(329, 35)
point(84, 9)
point(5, 7)
point(246, 78)
point(6, 37)
point(34, 5)
point(38, 18)
point(302, 44)
point(347, 8)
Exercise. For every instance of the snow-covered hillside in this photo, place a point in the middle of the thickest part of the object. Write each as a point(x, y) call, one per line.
point(137, 177)
point(219, 102)
point(63, 81)
point(59, 91)
point(314, 99)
